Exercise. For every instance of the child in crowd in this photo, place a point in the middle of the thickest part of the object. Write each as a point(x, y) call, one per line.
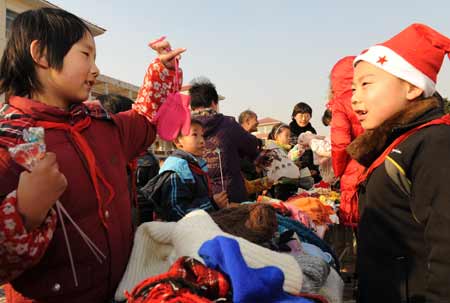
point(47, 71)
point(301, 117)
point(326, 117)
point(286, 187)
point(188, 187)
point(404, 228)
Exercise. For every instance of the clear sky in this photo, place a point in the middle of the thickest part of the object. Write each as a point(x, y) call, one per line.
point(263, 55)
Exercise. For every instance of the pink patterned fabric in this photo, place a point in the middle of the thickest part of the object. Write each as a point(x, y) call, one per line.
point(158, 83)
point(19, 248)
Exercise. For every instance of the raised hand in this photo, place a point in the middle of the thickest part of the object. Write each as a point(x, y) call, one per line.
point(167, 56)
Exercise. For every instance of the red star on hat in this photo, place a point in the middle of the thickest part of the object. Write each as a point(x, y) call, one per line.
point(415, 55)
point(382, 60)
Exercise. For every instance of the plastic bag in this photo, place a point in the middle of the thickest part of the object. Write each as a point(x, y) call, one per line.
point(326, 170)
point(32, 151)
point(305, 139)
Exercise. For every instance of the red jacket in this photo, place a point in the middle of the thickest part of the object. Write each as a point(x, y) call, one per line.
point(345, 127)
point(114, 142)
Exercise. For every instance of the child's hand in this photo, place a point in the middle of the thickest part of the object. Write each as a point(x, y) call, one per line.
point(221, 199)
point(39, 190)
point(314, 172)
point(299, 163)
point(165, 52)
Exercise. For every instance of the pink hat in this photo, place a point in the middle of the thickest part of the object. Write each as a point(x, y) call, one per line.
point(414, 55)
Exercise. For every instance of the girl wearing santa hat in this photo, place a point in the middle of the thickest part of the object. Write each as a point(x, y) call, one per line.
point(404, 195)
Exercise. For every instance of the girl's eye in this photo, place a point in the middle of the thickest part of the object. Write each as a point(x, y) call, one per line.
point(86, 54)
point(365, 83)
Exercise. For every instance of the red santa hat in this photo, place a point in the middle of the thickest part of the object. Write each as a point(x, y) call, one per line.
point(414, 55)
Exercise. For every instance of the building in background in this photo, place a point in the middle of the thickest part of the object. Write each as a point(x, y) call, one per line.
point(265, 126)
point(9, 9)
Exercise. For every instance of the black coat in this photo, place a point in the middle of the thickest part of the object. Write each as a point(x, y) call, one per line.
point(296, 130)
point(404, 237)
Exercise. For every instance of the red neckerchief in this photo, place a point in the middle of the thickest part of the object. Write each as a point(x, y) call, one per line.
point(196, 169)
point(22, 113)
point(94, 172)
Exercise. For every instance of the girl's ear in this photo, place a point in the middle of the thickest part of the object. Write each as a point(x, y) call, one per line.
point(39, 57)
point(413, 92)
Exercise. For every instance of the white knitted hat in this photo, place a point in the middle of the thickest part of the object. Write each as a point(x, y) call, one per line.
point(158, 245)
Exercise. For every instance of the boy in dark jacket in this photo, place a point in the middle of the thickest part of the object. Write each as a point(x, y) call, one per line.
point(188, 187)
point(404, 229)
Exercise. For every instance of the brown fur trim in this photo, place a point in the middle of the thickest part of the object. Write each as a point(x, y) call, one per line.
point(368, 146)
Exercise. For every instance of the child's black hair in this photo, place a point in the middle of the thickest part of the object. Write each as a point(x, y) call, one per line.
point(301, 108)
point(326, 118)
point(276, 130)
point(193, 122)
point(115, 103)
point(203, 93)
point(196, 122)
point(55, 29)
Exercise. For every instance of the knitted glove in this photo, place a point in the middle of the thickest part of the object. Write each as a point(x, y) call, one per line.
point(173, 117)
